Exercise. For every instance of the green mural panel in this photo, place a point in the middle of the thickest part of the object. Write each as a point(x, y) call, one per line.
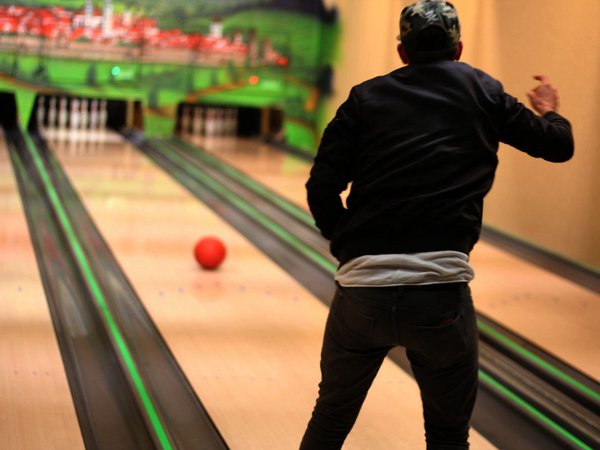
point(236, 52)
point(301, 136)
point(156, 125)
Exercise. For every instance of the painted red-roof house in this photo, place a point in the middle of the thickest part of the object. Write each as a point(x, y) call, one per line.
point(17, 11)
point(90, 22)
point(8, 23)
point(77, 33)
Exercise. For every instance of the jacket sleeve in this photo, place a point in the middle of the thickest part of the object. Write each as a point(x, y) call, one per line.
point(548, 137)
point(333, 166)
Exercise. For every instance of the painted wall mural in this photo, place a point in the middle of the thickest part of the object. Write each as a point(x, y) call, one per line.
point(253, 53)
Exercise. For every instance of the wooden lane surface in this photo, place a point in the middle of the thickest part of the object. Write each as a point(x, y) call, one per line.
point(36, 409)
point(552, 312)
point(248, 335)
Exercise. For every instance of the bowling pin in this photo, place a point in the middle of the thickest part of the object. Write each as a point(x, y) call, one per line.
point(191, 115)
point(84, 115)
point(93, 114)
point(216, 121)
point(74, 119)
point(41, 113)
point(210, 122)
point(62, 117)
point(75, 114)
point(197, 121)
point(226, 122)
point(215, 124)
point(102, 115)
point(51, 122)
point(93, 120)
point(219, 122)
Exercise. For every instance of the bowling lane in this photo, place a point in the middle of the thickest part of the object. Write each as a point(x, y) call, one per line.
point(35, 402)
point(550, 311)
point(248, 335)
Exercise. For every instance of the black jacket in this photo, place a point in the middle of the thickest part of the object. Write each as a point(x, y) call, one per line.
point(419, 146)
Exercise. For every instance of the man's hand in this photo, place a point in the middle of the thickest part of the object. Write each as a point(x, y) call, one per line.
point(544, 97)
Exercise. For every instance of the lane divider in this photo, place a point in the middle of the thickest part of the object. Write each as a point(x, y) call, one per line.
point(502, 390)
point(114, 330)
point(540, 362)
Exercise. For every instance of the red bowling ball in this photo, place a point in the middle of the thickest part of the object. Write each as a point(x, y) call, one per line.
point(210, 252)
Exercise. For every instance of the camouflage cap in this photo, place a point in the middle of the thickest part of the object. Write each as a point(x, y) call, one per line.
point(428, 13)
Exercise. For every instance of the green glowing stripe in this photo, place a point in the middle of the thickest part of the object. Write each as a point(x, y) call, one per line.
point(290, 208)
point(531, 409)
point(99, 297)
point(537, 360)
point(244, 206)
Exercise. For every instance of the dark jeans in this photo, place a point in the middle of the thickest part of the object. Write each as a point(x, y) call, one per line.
point(436, 325)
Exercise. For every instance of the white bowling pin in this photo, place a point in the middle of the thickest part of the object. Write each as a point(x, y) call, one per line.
point(102, 115)
point(51, 122)
point(94, 114)
point(219, 122)
point(84, 115)
point(75, 114)
point(210, 122)
point(62, 114)
point(41, 113)
point(197, 121)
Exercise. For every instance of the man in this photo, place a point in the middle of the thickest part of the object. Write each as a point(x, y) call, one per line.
point(419, 147)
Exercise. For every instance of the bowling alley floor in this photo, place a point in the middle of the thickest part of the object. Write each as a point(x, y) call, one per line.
point(248, 335)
